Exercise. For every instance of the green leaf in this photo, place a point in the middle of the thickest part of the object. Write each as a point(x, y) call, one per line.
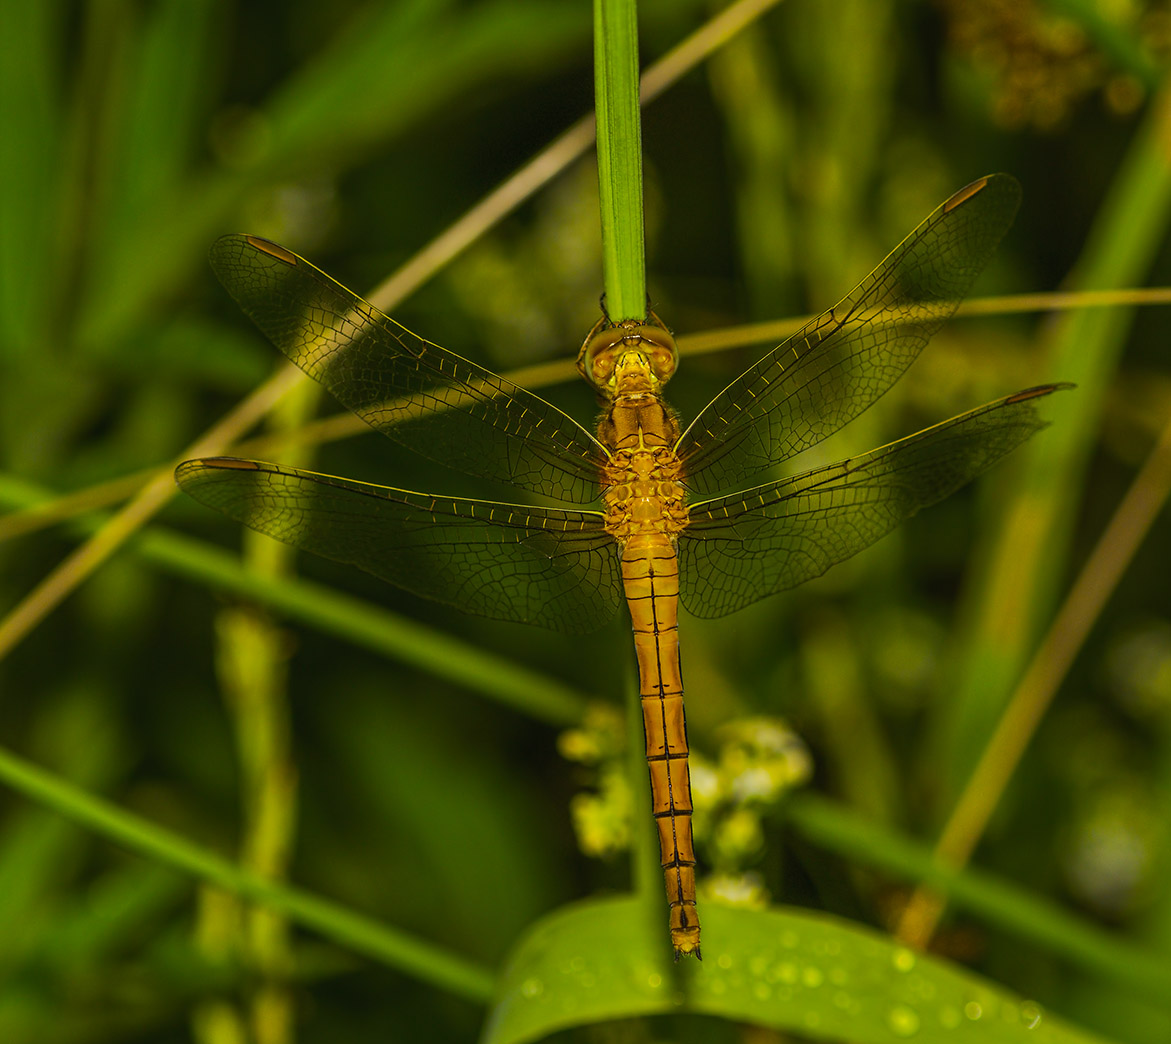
point(811, 973)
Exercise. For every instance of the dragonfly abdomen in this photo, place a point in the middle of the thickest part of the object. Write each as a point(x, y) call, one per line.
point(650, 575)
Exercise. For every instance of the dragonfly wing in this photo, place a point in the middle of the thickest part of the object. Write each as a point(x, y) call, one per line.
point(740, 548)
point(505, 561)
point(419, 394)
point(839, 364)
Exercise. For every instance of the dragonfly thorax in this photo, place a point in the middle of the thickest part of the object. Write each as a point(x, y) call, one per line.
point(643, 494)
point(641, 482)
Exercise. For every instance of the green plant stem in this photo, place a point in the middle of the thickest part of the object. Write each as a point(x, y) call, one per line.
point(355, 621)
point(1011, 909)
point(411, 956)
point(619, 157)
point(251, 658)
point(374, 628)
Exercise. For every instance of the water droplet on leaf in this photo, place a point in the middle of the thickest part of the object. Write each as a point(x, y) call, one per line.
point(903, 1022)
point(1031, 1014)
point(812, 976)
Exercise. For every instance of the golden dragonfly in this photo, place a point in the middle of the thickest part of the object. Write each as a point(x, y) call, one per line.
point(675, 521)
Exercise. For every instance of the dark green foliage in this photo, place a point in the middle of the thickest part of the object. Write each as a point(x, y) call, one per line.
point(419, 761)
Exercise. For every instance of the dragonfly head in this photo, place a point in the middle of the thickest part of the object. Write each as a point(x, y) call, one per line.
point(632, 350)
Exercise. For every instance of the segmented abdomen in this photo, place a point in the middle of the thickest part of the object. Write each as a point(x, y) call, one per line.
point(650, 573)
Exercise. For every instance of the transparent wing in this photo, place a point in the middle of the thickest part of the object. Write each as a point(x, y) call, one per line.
point(740, 548)
point(826, 374)
point(423, 396)
point(505, 561)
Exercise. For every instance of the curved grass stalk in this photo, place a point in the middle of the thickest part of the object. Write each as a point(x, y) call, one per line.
point(1049, 667)
point(1008, 674)
point(414, 957)
point(352, 620)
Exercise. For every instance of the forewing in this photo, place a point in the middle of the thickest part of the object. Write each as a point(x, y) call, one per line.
point(419, 394)
point(826, 374)
point(505, 561)
point(740, 548)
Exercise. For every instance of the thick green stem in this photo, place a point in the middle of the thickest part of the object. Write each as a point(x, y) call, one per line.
point(619, 157)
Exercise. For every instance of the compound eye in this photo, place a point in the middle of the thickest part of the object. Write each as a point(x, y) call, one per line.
point(659, 348)
point(596, 360)
point(602, 366)
point(663, 361)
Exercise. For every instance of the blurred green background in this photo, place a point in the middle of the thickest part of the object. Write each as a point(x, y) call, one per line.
point(778, 173)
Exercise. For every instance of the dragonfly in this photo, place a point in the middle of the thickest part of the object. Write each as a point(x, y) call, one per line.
point(652, 513)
